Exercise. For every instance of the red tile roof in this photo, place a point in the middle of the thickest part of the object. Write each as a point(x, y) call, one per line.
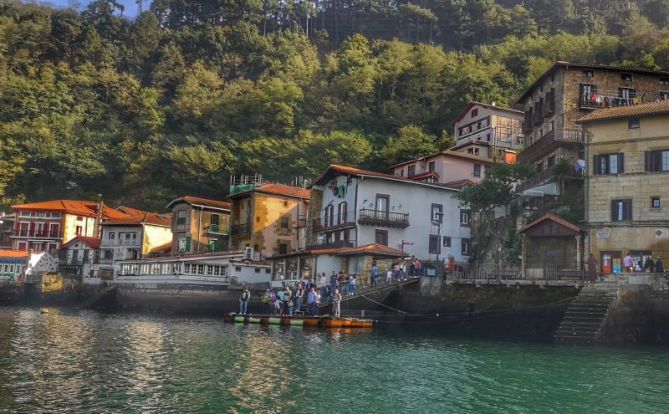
point(424, 175)
point(201, 202)
point(448, 153)
point(93, 242)
point(552, 217)
point(74, 207)
point(284, 190)
point(13, 254)
point(620, 112)
point(494, 107)
point(144, 217)
point(366, 250)
point(460, 183)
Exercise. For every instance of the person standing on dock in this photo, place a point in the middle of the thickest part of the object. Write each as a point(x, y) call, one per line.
point(311, 302)
point(288, 302)
point(374, 273)
point(267, 301)
point(244, 301)
point(336, 303)
point(659, 265)
point(299, 293)
point(389, 276)
point(279, 302)
point(351, 284)
point(628, 263)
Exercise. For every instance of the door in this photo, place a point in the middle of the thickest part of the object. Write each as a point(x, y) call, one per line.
point(75, 256)
point(382, 202)
point(54, 230)
point(381, 237)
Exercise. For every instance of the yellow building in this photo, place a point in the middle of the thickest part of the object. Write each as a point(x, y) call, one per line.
point(199, 225)
point(627, 189)
point(269, 218)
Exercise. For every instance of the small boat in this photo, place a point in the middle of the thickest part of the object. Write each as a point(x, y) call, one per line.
point(327, 322)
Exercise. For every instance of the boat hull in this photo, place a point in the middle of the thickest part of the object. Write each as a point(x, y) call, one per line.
point(301, 321)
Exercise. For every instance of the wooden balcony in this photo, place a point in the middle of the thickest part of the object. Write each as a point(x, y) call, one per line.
point(383, 218)
point(549, 142)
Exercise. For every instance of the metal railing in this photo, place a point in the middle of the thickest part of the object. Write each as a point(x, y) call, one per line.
point(514, 272)
point(239, 231)
point(334, 222)
point(549, 141)
point(47, 234)
point(383, 218)
point(607, 99)
point(216, 228)
point(332, 245)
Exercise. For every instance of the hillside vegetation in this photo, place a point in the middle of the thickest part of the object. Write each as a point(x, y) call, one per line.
point(173, 102)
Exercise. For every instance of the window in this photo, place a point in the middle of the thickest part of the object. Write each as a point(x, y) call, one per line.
point(285, 204)
point(411, 171)
point(465, 219)
point(626, 93)
point(268, 270)
point(446, 242)
point(589, 73)
point(187, 269)
point(382, 202)
point(79, 230)
point(633, 123)
point(434, 244)
point(621, 210)
point(487, 137)
point(329, 215)
point(475, 112)
point(539, 166)
point(626, 76)
point(128, 236)
point(214, 219)
point(200, 269)
point(477, 170)
point(284, 223)
point(342, 212)
point(466, 247)
point(431, 167)
point(664, 95)
point(476, 151)
point(283, 248)
point(437, 213)
point(381, 237)
point(664, 81)
point(112, 235)
point(79, 218)
point(609, 164)
point(657, 160)
point(402, 172)
point(238, 269)
point(256, 269)
point(181, 217)
point(551, 161)
point(655, 202)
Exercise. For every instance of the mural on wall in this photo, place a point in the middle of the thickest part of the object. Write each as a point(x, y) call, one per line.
point(52, 283)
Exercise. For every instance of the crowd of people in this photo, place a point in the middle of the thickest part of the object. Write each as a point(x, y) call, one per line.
point(307, 295)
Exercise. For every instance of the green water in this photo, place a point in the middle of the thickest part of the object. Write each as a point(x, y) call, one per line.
point(71, 361)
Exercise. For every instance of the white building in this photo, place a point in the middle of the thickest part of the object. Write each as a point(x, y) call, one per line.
point(131, 238)
point(360, 208)
point(78, 256)
point(211, 269)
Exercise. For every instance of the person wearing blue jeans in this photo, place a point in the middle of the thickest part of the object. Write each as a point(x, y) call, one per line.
point(244, 301)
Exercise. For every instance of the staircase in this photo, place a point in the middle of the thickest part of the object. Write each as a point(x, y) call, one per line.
point(585, 315)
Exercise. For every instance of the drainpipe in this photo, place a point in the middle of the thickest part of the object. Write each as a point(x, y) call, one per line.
point(355, 209)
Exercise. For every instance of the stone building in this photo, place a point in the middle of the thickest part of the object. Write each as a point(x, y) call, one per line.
point(489, 131)
point(552, 106)
point(268, 218)
point(199, 225)
point(627, 185)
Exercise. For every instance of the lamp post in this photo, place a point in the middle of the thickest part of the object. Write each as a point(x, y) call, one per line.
point(438, 219)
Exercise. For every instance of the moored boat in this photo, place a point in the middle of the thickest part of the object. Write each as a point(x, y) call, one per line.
point(298, 320)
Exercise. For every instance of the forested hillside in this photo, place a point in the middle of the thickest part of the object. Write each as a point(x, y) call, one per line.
point(189, 92)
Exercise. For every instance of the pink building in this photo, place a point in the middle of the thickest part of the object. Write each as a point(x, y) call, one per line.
point(452, 168)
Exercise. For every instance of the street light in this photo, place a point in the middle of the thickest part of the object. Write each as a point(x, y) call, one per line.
point(439, 219)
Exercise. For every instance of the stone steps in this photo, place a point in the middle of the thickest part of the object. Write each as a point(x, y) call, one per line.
point(585, 315)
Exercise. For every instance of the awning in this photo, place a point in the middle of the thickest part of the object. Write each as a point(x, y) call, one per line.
point(550, 189)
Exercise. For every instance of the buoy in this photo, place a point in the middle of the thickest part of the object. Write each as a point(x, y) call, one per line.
point(44, 311)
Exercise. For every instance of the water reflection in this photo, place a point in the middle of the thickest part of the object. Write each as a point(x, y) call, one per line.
point(70, 361)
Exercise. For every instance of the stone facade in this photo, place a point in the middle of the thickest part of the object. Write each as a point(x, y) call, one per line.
point(647, 232)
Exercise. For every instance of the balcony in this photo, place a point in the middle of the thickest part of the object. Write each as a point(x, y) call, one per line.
point(334, 223)
point(46, 234)
point(549, 142)
point(216, 229)
point(542, 177)
point(240, 231)
point(606, 99)
point(383, 218)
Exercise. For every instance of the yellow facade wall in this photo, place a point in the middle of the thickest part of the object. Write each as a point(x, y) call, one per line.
point(70, 227)
point(154, 236)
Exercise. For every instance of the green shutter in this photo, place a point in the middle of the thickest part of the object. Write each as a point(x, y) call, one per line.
point(188, 243)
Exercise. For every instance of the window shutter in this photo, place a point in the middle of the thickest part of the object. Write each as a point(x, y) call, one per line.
point(614, 216)
point(647, 158)
point(595, 165)
point(628, 210)
point(621, 163)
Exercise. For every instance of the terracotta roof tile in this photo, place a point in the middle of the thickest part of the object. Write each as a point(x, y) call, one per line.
point(644, 109)
point(551, 217)
point(93, 242)
point(75, 207)
point(199, 201)
point(285, 190)
point(13, 254)
point(368, 249)
point(460, 183)
point(164, 220)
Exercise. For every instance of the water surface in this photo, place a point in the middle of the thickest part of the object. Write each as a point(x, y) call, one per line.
point(82, 361)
